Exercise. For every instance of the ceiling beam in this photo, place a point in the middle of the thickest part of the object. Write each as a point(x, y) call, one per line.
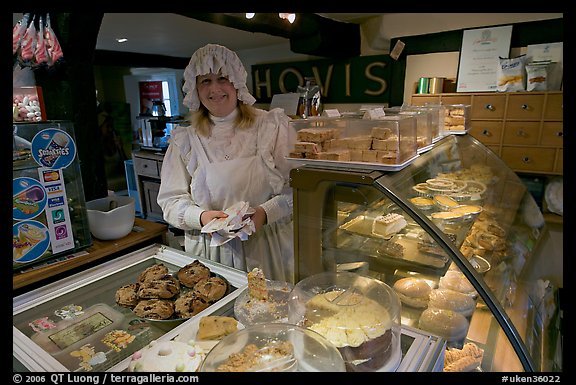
point(310, 34)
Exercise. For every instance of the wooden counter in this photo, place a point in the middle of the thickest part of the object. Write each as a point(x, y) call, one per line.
point(144, 233)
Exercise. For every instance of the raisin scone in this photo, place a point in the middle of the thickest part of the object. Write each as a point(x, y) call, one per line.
point(211, 289)
point(193, 273)
point(189, 304)
point(127, 295)
point(153, 272)
point(154, 309)
point(163, 288)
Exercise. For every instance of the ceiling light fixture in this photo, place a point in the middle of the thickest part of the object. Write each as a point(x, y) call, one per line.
point(288, 16)
point(250, 15)
point(121, 40)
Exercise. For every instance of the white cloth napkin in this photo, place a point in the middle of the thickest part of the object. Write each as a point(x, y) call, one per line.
point(238, 224)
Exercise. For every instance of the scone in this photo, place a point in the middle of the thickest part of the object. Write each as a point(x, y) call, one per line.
point(156, 271)
point(154, 309)
point(193, 273)
point(163, 288)
point(127, 295)
point(189, 304)
point(211, 289)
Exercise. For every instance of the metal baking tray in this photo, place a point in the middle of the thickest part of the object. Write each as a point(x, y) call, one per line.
point(357, 235)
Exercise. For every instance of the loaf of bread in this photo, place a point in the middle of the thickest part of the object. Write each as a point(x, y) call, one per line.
point(413, 291)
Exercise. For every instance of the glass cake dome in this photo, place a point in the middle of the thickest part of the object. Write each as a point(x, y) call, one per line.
point(273, 347)
point(358, 314)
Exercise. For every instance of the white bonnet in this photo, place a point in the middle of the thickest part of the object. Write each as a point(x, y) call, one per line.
point(214, 58)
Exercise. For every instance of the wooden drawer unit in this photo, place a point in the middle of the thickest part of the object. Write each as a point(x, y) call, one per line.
point(554, 107)
point(552, 134)
point(488, 107)
point(525, 106)
point(456, 99)
point(422, 100)
point(559, 162)
point(147, 167)
point(521, 133)
point(529, 159)
point(151, 189)
point(525, 129)
point(487, 131)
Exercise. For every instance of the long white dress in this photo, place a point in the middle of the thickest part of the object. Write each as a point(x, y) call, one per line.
point(232, 165)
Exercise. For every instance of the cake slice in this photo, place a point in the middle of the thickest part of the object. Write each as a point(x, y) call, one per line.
point(216, 327)
point(257, 285)
point(388, 225)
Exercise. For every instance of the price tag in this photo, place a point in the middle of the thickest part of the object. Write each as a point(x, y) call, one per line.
point(374, 113)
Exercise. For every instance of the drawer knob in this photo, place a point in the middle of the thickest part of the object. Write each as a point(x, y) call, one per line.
point(560, 134)
point(525, 106)
point(526, 159)
point(145, 166)
point(486, 133)
point(520, 133)
point(490, 107)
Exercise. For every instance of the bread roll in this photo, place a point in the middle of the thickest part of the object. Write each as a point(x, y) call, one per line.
point(413, 291)
point(452, 300)
point(448, 324)
point(456, 280)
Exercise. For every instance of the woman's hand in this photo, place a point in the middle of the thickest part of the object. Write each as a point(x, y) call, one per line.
point(259, 217)
point(209, 215)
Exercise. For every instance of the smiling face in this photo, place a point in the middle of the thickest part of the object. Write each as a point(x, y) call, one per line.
point(217, 94)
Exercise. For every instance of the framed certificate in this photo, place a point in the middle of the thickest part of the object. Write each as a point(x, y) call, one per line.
point(479, 55)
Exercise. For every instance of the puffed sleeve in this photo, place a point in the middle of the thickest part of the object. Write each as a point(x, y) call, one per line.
point(275, 139)
point(174, 197)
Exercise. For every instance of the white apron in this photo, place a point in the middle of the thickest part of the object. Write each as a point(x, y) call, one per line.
point(244, 179)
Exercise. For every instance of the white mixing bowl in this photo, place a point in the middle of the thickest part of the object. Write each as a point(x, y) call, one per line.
point(111, 217)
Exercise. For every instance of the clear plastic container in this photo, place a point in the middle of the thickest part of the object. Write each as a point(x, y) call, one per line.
point(424, 126)
point(358, 314)
point(390, 140)
point(456, 119)
point(274, 347)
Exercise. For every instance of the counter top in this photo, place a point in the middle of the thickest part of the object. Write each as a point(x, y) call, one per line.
point(143, 233)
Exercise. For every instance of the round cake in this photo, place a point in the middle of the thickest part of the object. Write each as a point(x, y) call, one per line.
point(193, 273)
point(167, 356)
point(358, 326)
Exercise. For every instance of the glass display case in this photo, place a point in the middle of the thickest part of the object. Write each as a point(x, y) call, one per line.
point(76, 325)
point(456, 218)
